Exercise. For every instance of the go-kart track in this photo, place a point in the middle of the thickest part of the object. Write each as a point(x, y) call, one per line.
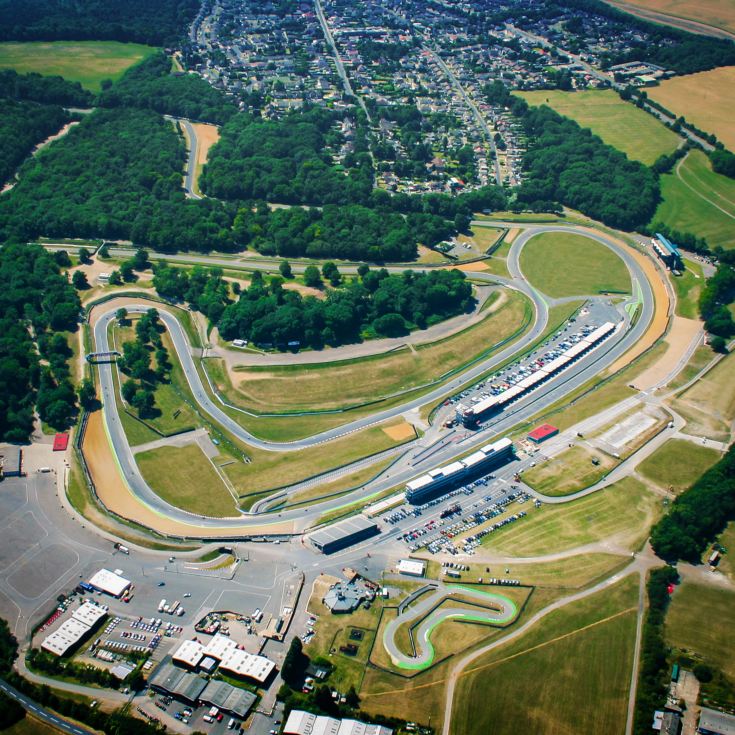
point(492, 609)
point(407, 466)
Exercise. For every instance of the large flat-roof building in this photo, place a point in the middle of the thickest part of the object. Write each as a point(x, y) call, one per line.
point(110, 582)
point(184, 685)
point(74, 631)
point(305, 723)
point(714, 722)
point(668, 252)
point(233, 700)
point(346, 533)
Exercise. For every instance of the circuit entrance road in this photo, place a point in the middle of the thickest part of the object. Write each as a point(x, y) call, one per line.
point(405, 468)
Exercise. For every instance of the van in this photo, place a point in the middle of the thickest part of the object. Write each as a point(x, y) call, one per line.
point(231, 724)
point(207, 718)
point(44, 469)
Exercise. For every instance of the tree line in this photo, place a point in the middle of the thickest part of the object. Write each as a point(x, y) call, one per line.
point(374, 304)
point(717, 295)
point(159, 23)
point(36, 304)
point(151, 85)
point(698, 515)
point(653, 675)
point(567, 164)
point(51, 90)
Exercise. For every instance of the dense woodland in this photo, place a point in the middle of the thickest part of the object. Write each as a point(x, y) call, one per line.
point(569, 165)
point(285, 161)
point(118, 174)
point(152, 85)
point(716, 297)
point(49, 90)
point(698, 515)
point(36, 302)
point(23, 125)
point(376, 304)
point(159, 23)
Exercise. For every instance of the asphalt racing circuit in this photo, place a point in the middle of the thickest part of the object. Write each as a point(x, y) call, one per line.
point(409, 463)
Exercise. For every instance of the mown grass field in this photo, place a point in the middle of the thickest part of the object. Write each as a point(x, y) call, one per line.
point(622, 513)
point(561, 264)
point(570, 673)
point(705, 99)
point(700, 620)
point(185, 478)
point(620, 124)
point(86, 62)
point(696, 199)
point(31, 726)
point(569, 471)
point(351, 382)
point(678, 463)
point(688, 286)
point(699, 360)
point(709, 405)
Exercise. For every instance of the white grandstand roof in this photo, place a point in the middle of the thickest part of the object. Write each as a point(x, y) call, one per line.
point(110, 582)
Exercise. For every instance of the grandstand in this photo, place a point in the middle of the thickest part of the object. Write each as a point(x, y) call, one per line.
point(443, 479)
point(470, 416)
point(668, 252)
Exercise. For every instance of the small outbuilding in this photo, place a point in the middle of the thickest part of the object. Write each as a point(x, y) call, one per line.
point(542, 433)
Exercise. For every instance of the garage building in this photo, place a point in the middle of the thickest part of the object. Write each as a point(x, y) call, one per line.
point(110, 583)
point(343, 534)
point(542, 433)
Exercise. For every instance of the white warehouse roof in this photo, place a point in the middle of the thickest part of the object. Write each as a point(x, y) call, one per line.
point(305, 723)
point(219, 647)
point(189, 653)
point(110, 582)
point(247, 664)
point(412, 567)
point(89, 614)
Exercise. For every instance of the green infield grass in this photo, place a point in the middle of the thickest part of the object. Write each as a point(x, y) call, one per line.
point(353, 382)
point(86, 62)
point(562, 264)
point(569, 673)
point(185, 478)
point(622, 512)
point(569, 471)
point(678, 463)
point(695, 199)
point(620, 124)
point(712, 638)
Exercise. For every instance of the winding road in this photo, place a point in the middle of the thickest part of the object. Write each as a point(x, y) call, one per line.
point(404, 469)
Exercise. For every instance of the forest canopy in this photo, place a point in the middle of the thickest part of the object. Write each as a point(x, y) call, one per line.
point(159, 23)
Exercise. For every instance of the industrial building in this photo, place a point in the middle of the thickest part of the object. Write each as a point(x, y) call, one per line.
point(668, 252)
point(110, 582)
point(74, 631)
point(411, 567)
point(344, 597)
point(233, 700)
point(306, 723)
point(714, 722)
point(223, 652)
point(343, 534)
point(542, 433)
point(470, 416)
point(443, 479)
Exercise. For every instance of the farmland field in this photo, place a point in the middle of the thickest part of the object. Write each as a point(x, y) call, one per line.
point(716, 13)
point(561, 265)
point(86, 62)
point(697, 200)
point(620, 124)
point(584, 650)
point(678, 463)
point(715, 641)
point(704, 99)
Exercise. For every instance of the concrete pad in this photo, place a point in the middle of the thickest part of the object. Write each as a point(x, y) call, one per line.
point(18, 537)
point(626, 431)
point(36, 575)
point(13, 495)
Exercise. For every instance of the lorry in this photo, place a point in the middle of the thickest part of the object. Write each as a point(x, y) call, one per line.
point(257, 615)
point(161, 605)
point(173, 607)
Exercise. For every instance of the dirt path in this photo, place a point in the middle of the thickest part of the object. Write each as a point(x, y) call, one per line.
point(678, 341)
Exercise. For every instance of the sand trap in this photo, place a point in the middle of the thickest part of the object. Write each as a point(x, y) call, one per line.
point(678, 340)
point(207, 136)
point(478, 266)
point(117, 497)
point(511, 235)
point(400, 432)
